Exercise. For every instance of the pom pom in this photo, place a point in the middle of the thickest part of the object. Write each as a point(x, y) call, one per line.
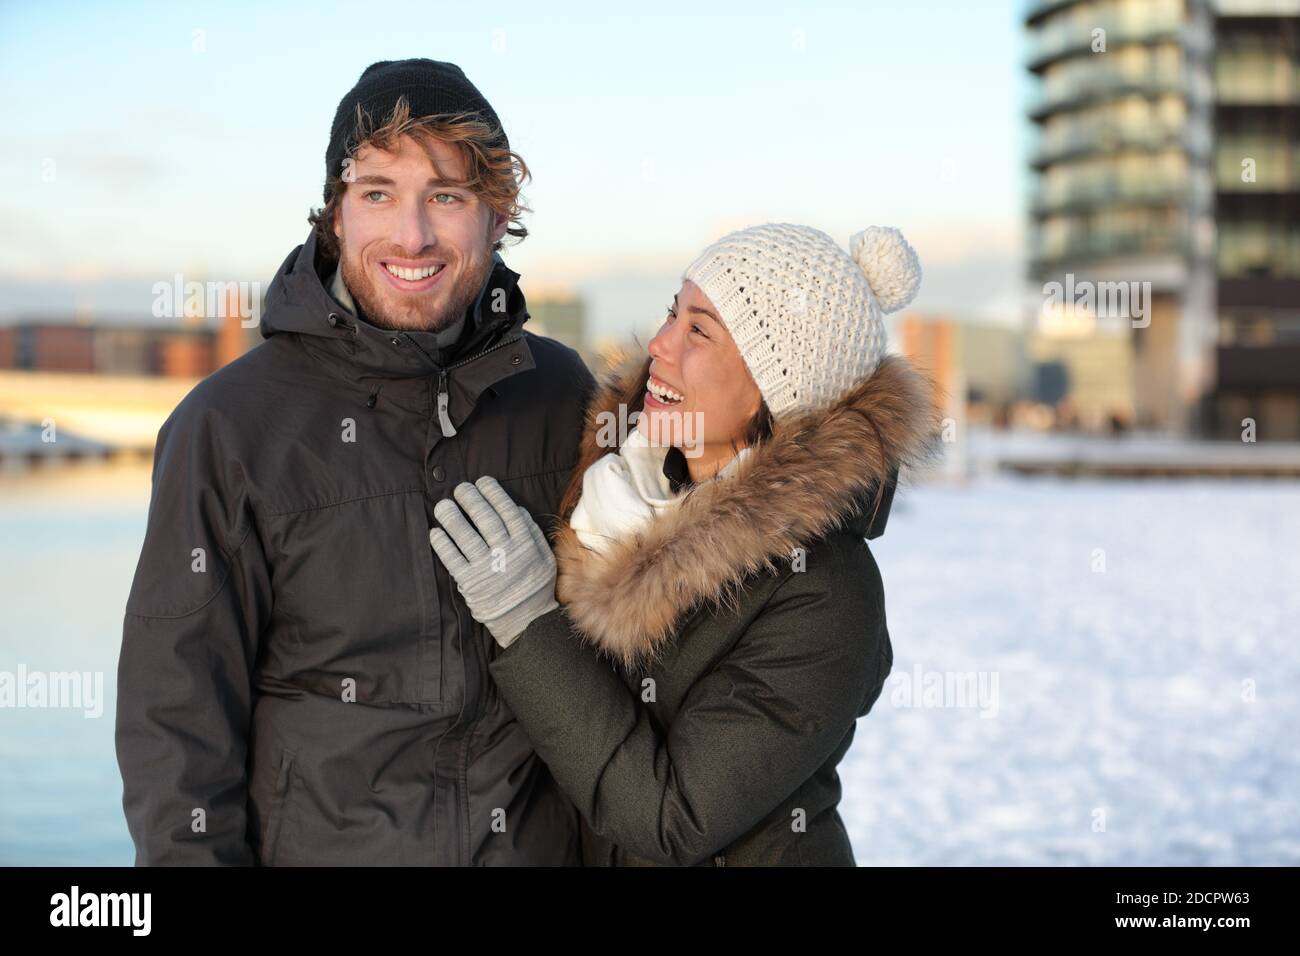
point(893, 271)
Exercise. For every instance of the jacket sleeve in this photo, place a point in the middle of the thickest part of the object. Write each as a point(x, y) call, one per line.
point(200, 597)
point(748, 734)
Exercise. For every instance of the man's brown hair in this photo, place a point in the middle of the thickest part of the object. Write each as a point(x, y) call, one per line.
point(495, 174)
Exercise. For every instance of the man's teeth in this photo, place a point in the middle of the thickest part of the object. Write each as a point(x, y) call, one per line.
point(412, 275)
point(663, 392)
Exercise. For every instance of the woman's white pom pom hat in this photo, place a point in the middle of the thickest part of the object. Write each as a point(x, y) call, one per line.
point(806, 316)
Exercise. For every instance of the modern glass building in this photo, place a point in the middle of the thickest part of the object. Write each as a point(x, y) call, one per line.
point(1129, 163)
point(1257, 210)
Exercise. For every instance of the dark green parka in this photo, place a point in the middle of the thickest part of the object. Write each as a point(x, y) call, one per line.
point(702, 678)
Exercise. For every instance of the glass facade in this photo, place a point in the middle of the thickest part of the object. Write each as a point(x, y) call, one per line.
point(1255, 67)
point(1124, 184)
point(1122, 150)
point(1072, 27)
point(1259, 249)
point(1257, 256)
point(1175, 152)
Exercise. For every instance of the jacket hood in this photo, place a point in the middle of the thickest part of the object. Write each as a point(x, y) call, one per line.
point(298, 301)
point(832, 468)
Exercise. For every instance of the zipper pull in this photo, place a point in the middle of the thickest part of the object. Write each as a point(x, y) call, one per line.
point(444, 417)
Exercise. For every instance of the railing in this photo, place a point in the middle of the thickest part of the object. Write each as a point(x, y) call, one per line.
point(1073, 31)
point(1037, 8)
point(1169, 242)
point(1104, 137)
point(1157, 190)
point(1101, 82)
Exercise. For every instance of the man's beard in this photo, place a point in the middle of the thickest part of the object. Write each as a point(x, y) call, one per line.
point(420, 311)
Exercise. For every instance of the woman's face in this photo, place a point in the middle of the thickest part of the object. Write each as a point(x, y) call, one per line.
point(694, 356)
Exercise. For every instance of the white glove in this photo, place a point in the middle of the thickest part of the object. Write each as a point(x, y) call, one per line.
point(502, 563)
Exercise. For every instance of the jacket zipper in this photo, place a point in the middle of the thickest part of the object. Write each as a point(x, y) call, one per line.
point(444, 415)
point(470, 638)
point(444, 419)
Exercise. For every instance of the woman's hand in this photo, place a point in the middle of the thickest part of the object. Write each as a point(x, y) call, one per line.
point(502, 563)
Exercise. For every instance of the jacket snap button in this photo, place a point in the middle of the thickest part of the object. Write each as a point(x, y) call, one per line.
point(394, 341)
point(439, 474)
point(515, 359)
point(333, 320)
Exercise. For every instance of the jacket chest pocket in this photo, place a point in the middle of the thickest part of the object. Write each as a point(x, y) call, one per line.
point(356, 601)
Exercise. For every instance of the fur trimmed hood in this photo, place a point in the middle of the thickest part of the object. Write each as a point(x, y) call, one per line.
point(834, 467)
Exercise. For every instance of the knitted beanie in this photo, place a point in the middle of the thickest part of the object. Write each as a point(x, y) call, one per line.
point(806, 316)
point(430, 86)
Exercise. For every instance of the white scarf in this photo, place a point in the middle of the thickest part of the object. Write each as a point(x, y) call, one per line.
point(622, 492)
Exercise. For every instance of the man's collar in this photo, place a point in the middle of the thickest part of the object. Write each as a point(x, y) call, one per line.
point(339, 290)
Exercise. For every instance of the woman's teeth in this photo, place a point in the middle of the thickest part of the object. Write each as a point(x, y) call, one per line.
point(412, 275)
point(663, 393)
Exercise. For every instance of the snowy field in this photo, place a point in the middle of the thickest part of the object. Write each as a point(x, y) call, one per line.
point(1138, 645)
point(1142, 714)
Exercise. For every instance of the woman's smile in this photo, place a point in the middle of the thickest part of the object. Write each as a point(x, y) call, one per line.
point(660, 394)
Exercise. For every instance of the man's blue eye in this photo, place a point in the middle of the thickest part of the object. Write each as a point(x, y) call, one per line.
point(373, 192)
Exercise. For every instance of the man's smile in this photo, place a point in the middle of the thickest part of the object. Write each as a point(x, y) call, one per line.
point(412, 275)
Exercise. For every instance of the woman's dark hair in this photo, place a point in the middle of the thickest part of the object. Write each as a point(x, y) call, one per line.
point(759, 428)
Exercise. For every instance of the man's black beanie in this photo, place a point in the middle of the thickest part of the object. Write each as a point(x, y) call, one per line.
point(431, 86)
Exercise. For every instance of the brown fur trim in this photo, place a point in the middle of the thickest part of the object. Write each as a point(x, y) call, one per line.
point(792, 489)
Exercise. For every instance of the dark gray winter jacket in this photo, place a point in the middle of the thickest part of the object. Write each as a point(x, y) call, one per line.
point(300, 682)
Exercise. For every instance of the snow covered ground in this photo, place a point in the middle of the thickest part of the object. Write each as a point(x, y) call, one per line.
point(1139, 647)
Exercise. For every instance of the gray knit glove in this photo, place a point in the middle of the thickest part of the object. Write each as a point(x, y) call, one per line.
point(502, 563)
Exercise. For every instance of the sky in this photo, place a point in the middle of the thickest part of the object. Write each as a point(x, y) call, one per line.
point(145, 140)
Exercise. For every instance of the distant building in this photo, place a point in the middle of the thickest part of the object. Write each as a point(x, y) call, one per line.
point(974, 362)
point(559, 314)
point(1257, 197)
point(1094, 371)
point(53, 347)
point(126, 351)
point(932, 343)
point(1145, 111)
point(996, 361)
point(190, 351)
point(980, 372)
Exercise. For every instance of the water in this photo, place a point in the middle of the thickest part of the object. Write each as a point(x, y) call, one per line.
point(71, 536)
point(1143, 636)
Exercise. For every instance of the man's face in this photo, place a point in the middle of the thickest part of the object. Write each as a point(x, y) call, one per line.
point(403, 213)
